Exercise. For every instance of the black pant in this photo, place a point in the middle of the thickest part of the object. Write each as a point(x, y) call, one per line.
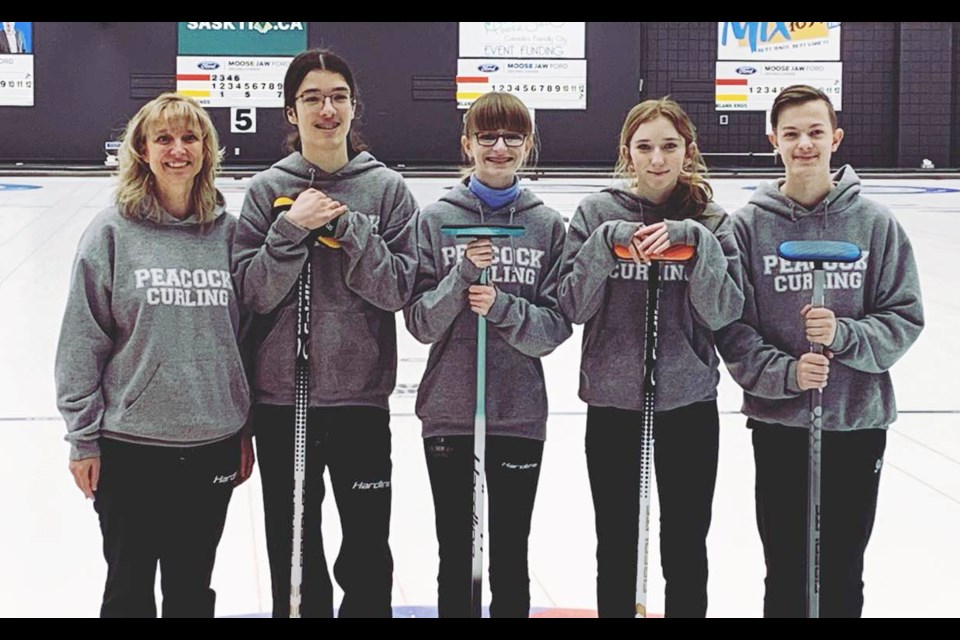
point(512, 473)
point(354, 442)
point(685, 458)
point(850, 480)
point(166, 505)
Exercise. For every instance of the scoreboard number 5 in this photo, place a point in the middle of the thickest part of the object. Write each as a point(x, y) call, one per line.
point(243, 120)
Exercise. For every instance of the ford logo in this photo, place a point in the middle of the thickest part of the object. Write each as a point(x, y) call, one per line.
point(488, 68)
point(209, 65)
point(746, 71)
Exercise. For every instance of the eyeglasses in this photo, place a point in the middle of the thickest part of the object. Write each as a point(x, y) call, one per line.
point(316, 100)
point(490, 138)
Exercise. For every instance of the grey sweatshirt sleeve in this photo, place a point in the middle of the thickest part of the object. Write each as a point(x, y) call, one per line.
point(587, 262)
point(381, 268)
point(714, 280)
point(875, 342)
point(85, 346)
point(268, 254)
point(761, 369)
point(435, 305)
point(534, 328)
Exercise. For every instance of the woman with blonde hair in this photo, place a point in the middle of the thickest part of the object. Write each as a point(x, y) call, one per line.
point(519, 304)
point(148, 371)
point(665, 202)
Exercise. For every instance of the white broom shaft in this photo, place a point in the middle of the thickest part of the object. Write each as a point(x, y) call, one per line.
point(301, 405)
point(646, 443)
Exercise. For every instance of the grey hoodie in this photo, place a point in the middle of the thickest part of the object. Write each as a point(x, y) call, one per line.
point(148, 346)
point(610, 296)
point(356, 288)
point(876, 301)
point(524, 323)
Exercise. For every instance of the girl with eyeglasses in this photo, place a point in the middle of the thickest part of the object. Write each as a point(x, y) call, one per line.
point(333, 204)
point(524, 324)
point(665, 201)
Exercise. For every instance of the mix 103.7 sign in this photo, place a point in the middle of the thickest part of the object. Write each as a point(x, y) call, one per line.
point(778, 41)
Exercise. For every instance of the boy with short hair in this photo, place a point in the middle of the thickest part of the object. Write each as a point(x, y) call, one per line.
point(873, 314)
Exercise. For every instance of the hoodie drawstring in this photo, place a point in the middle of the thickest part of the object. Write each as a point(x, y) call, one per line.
point(826, 210)
point(513, 247)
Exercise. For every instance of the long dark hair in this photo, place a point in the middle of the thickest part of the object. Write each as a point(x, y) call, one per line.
point(324, 60)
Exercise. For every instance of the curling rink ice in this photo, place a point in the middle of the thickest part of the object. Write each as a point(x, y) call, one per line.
point(50, 543)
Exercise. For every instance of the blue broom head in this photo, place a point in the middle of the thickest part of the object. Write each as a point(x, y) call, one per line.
point(819, 251)
point(483, 230)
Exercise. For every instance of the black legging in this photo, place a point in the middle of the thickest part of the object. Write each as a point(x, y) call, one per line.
point(354, 442)
point(512, 474)
point(685, 458)
point(166, 506)
point(849, 481)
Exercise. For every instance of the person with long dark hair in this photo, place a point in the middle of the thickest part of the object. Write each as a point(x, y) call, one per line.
point(329, 202)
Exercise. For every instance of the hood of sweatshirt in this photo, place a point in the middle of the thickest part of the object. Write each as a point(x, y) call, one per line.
point(844, 194)
point(296, 165)
point(152, 210)
point(673, 208)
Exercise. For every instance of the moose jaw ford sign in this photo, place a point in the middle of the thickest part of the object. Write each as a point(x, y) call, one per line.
point(541, 84)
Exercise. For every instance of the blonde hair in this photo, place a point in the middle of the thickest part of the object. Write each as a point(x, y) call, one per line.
point(136, 196)
point(495, 111)
point(693, 173)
